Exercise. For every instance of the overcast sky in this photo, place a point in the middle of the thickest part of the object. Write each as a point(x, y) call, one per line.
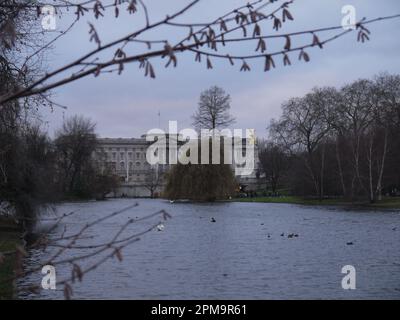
point(128, 105)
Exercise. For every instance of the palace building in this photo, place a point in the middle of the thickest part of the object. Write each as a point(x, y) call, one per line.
point(126, 158)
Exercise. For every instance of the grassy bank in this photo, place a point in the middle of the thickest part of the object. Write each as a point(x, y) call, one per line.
point(386, 203)
point(9, 238)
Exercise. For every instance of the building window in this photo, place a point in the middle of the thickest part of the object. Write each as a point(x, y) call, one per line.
point(138, 164)
point(130, 165)
point(114, 155)
point(122, 155)
point(130, 155)
point(122, 165)
point(137, 155)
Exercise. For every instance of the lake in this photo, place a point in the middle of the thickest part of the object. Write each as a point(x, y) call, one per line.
point(245, 254)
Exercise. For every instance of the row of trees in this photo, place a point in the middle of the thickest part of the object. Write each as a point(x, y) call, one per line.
point(36, 170)
point(338, 142)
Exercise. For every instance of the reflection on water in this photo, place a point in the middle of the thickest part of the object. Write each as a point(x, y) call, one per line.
point(243, 255)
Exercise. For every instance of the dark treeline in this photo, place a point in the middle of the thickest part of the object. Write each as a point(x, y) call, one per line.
point(36, 170)
point(338, 142)
point(78, 175)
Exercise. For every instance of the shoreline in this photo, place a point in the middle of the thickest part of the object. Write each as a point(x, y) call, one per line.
point(10, 235)
point(388, 203)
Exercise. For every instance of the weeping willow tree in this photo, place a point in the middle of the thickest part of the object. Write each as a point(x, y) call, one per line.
point(201, 182)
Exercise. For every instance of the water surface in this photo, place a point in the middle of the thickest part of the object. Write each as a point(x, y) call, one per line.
point(243, 255)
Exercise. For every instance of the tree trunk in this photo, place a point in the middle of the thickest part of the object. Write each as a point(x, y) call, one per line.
point(321, 187)
point(274, 184)
point(379, 183)
point(371, 190)
point(356, 154)
point(340, 168)
point(310, 167)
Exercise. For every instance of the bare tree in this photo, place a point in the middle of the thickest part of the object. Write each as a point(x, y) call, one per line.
point(75, 143)
point(356, 111)
point(387, 112)
point(153, 180)
point(357, 127)
point(213, 110)
point(275, 163)
point(303, 128)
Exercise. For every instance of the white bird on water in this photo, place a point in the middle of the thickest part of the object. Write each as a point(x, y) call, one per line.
point(160, 227)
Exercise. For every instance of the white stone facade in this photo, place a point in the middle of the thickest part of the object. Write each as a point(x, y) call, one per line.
point(126, 157)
